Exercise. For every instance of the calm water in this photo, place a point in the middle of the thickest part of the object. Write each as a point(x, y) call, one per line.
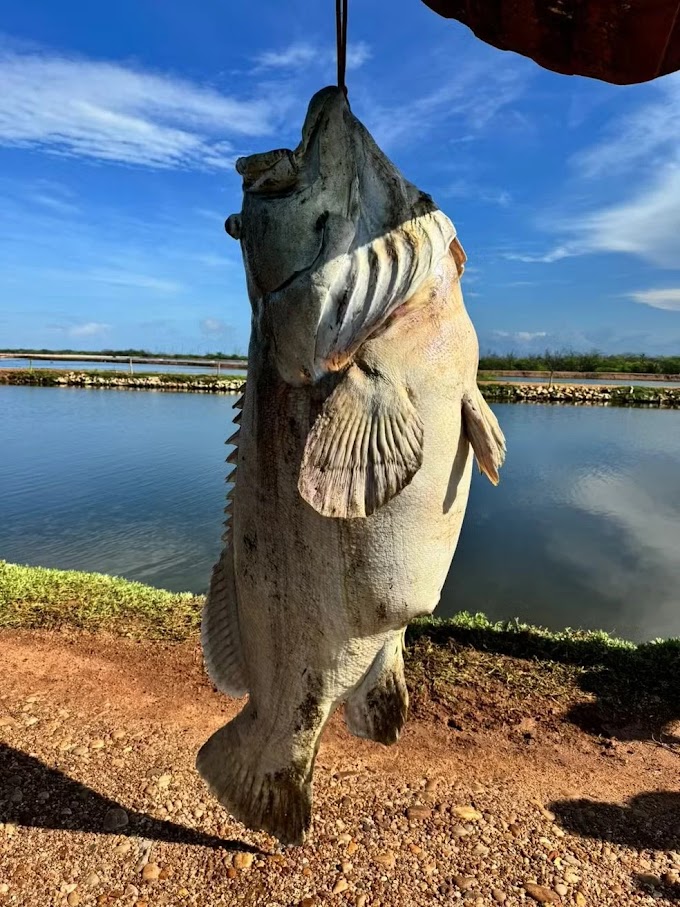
point(638, 383)
point(124, 369)
point(584, 529)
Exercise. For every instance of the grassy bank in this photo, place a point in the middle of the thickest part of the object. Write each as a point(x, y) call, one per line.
point(607, 683)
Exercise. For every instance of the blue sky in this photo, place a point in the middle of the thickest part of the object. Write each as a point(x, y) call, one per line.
point(120, 123)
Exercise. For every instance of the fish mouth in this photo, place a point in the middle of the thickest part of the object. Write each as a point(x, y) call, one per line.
point(280, 172)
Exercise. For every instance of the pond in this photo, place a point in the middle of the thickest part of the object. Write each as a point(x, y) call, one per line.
point(581, 532)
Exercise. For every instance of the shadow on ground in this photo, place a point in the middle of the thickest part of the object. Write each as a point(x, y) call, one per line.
point(649, 821)
point(636, 688)
point(75, 807)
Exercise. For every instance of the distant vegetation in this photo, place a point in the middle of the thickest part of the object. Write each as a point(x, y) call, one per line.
point(569, 361)
point(135, 354)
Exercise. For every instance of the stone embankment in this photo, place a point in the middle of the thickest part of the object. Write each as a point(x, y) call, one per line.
point(613, 395)
point(164, 382)
point(499, 392)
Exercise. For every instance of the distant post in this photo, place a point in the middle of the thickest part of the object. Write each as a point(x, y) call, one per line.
point(131, 370)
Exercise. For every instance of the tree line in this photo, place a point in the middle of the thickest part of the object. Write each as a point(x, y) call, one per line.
point(570, 361)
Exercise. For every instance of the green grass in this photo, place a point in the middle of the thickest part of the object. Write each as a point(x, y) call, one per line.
point(607, 681)
point(37, 597)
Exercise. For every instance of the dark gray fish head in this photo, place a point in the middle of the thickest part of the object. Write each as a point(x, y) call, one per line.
point(333, 240)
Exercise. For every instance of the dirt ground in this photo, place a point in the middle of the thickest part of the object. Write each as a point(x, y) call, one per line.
point(481, 802)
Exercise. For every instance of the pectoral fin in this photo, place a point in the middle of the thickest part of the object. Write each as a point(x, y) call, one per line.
point(484, 433)
point(364, 448)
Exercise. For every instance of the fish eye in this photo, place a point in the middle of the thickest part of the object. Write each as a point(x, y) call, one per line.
point(233, 226)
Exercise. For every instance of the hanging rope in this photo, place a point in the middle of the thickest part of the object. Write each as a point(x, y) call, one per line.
point(341, 38)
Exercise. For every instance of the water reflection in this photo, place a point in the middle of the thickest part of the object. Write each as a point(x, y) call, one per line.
point(582, 531)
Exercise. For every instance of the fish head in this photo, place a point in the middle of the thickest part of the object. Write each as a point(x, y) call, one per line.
point(332, 237)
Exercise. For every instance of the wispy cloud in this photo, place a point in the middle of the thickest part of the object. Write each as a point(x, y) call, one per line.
point(520, 336)
point(470, 189)
point(642, 149)
point(215, 327)
point(667, 298)
point(472, 98)
point(107, 111)
point(86, 329)
point(302, 54)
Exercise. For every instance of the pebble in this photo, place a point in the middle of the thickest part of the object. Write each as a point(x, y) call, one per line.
point(466, 813)
point(352, 848)
point(4, 888)
point(151, 872)
point(387, 859)
point(464, 882)
point(308, 902)
point(163, 782)
point(92, 880)
point(340, 886)
point(580, 899)
point(243, 860)
point(415, 813)
point(80, 750)
point(115, 819)
point(540, 893)
point(562, 890)
point(500, 897)
point(73, 899)
point(361, 900)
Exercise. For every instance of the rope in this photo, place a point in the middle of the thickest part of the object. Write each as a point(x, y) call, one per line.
point(341, 39)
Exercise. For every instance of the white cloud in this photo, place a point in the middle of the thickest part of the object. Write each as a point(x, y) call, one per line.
point(547, 258)
point(214, 327)
point(640, 139)
point(668, 299)
point(107, 111)
point(465, 188)
point(88, 329)
point(520, 336)
point(302, 54)
point(474, 96)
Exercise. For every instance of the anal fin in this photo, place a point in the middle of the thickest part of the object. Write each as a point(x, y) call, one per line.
point(484, 433)
point(378, 707)
point(220, 636)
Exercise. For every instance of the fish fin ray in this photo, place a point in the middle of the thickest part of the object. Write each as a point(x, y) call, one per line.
point(365, 446)
point(220, 635)
point(484, 433)
point(276, 801)
point(378, 707)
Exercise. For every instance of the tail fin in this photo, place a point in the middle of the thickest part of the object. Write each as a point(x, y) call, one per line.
point(234, 766)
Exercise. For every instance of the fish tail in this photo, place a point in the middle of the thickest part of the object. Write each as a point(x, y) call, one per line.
point(275, 799)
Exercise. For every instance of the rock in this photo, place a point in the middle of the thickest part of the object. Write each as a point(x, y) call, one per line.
point(386, 859)
point(480, 850)
point(562, 890)
point(416, 813)
point(650, 881)
point(80, 750)
point(361, 900)
point(115, 819)
point(340, 886)
point(232, 873)
point(571, 877)
point(151, 872)
point(500, 897)
point(580, 899)
point(352, 848)
point(4, 888)
point(466, 813)
point(73, 899)
point(92, 880)
point(540, 893)
point(459, 832)
point(465, 883)
point(243, 860)
point(431, 784)
point(308, 902)
point(123, 848)
point(163, 782)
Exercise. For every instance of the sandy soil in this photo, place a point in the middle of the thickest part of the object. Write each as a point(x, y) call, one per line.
point(479, 803)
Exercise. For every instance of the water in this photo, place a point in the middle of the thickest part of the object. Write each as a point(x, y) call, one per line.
point(123, 368)
point(582, 531)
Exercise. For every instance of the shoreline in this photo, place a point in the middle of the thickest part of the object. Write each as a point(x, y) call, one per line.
point(495, 392)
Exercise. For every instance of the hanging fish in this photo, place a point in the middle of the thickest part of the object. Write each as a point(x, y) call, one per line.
point(353, 459)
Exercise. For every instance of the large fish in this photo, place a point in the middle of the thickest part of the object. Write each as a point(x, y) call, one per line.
point(353, 459)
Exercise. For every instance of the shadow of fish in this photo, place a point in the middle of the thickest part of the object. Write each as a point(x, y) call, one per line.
point(353, 459)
